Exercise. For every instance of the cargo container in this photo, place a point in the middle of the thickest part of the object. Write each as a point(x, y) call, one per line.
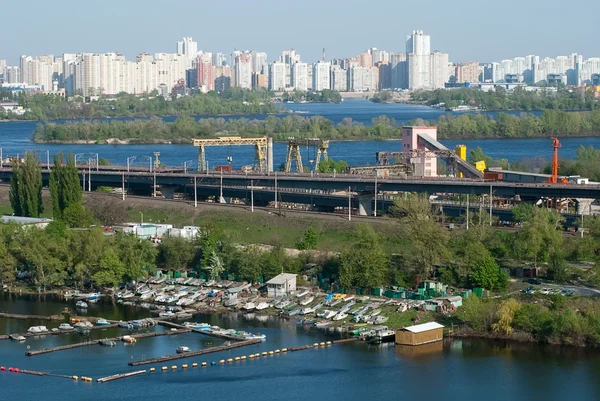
point(224, 168)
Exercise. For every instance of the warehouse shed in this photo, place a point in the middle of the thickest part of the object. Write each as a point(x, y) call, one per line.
point(420, 334)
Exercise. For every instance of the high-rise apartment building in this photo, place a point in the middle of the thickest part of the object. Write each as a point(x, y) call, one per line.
point(219, 59)
point(277, 76)
point(260, 64)
point(243, 71)
point(467, 72)
point(224, 78)
point(339, 78)
point(321, 76)
point(385, 75)
point(204, 68)
point(426, 70)
point(398, 67)
point(300, 76)
point(441, 70)
point(187, 47)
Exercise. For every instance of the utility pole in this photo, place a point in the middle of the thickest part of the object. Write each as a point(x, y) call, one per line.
point(252, 196)
point(276, 190)
point(491, 204)
point(47, 159)
point(83, 179)
point(467, 211)
point(123, 186)
point(195, 191)
point(97, 160)
point(90, 175)
point(375, 212)
point(221, 188)
point(1, 159)
point(154, 189)
point(129, 160)
point(349, 205)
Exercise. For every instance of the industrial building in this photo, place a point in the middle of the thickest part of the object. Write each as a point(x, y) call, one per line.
point(420, 334)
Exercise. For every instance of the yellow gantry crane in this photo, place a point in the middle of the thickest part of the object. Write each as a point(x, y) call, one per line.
point(293, 152)
point(262, 146)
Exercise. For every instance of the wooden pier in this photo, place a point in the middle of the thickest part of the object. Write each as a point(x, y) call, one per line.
point(211, 334)
point(96, 342)
point(190, 354)
point(57, 332)
point(120, 376)
point(30, 317)
point(36, 373)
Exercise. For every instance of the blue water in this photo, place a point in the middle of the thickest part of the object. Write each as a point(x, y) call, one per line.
point(459, 369)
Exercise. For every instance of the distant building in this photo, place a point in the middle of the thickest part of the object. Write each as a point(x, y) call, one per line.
point(277, 76)
point(281, 285)
point(300, 76)
point(26, 221)
point(243, 71)
point(224, 78)
point(339, 78)
point(205, 76)
point(424, 163)
point(466, 72)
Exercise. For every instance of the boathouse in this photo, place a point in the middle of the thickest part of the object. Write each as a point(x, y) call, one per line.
point(420, 334)
point(281, 285)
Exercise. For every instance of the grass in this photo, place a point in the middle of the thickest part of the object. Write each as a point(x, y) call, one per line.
point(270, 229)
point(7, 210)
point(396, 319)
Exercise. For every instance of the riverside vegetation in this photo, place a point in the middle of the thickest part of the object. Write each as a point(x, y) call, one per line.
point(51, 107)
point(155, 130)
point(417, 245)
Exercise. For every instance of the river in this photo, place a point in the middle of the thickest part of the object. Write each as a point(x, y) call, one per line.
point(457, 369)
point(15, 138)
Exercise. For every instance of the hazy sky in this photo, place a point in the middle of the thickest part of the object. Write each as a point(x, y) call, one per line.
point(466, 29)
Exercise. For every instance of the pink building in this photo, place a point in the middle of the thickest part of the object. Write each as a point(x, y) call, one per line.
point(421, 140)
point(206, 79)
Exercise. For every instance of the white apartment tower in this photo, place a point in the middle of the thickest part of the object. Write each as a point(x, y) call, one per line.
point(187, 47)
point(277, 76)
point(243, 71)
point(300, 76)
point(321, 76)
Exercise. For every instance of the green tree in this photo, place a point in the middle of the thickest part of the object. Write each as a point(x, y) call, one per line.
point(487, 274)
point(111, 270)
point(364, 264)
point(65, 189)
point(216, 267)
point(175, 253)
point(26, 186)
point(308, 241)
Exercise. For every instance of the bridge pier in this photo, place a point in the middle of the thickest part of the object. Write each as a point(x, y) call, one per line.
point(168, 191)
point(365, 207)
point(584, 205)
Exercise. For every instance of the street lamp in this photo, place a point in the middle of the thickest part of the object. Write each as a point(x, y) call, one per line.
point(185, 166)
point(129, 160)
point(78, 155)
point(149, 158)
point(142, 223)
point(97, 160)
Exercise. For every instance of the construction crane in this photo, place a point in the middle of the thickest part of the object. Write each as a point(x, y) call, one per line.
point(263, 150)
point(554, 177)
point(294, 155)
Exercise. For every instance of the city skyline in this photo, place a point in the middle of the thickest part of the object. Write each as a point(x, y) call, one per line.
point(466, 34)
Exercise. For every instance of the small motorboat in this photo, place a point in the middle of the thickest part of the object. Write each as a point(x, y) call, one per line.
point(250, 306)
point(262, 305)
point(38, 329)
point(65, 326)
point(16, 337)
point(125, 325)
point(81, 305)
point(94, 296)
point(82, 330)
point(256, 336)
point(102, 322)
point(128, 339)
point(322, 324)
point(306, 301)
point(183, 349)
point(107, 343)
point(307, 311)
point(184, 315)
point(167, 314)
point(340, 316)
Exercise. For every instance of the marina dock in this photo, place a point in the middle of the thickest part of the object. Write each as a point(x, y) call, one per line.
point(204, 351)
point(208, 333)
point(57, 332)
point(30, 317)
point(96, 342)
point(120, 376)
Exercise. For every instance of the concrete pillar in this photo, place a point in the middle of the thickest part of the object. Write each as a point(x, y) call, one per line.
point(225, 199)
point(584, 206)
point(168, 191)
point(365, 207)
point(270, 155)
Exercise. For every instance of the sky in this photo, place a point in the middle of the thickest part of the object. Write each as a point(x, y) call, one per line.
point(468, 30)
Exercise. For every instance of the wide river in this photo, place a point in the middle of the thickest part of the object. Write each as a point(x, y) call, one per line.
point(457, 369)
point(15, 138)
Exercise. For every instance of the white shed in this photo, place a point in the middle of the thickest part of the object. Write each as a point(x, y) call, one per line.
point(282, 284)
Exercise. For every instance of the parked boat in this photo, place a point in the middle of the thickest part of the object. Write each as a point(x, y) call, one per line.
point(329, 314)
point(230, 302)
point(262, 305)
point(94, 296)
point(307, 311)
point(340, 316)
point(125, 325)
point(301, 294)
point(380, 319)
point(128, 339)
point(65, 326)
point(184, 315)
point(81, 305)
point(107, 343)
point(322, 324)
point(82, 330)
point(38, 329)
point(307, 300)
point(102, 322)
point(294, 312)
point(282, 304)
point(167, 314)
point(256, 336)
point(147, 295)
point(249, 306)
point(183, 349)
point(384, 335)
point(16, 337)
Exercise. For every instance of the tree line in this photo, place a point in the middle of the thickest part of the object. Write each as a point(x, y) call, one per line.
point(324, 96)
point(50, 107)
point(501, 99)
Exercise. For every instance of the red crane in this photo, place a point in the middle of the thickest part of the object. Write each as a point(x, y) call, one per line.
point(554, 178)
